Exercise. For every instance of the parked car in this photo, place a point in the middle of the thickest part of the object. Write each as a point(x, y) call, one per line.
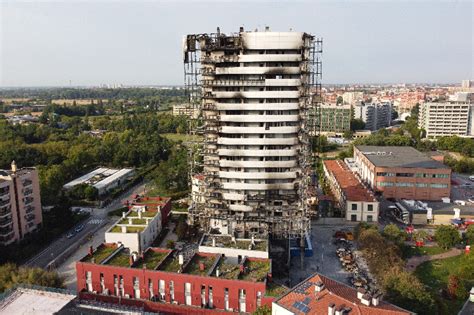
point(70, 234)
point(471, 199)
point(471, 178)
point(79, 228)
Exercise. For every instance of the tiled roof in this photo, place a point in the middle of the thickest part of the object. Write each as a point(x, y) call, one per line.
point(349, 183)
point(303, 299)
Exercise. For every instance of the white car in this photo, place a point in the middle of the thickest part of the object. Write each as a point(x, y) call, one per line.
point(471, 199)
point(471, 178)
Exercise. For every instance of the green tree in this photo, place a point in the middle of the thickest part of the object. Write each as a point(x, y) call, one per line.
point(447, 236)
point(357, 124)
point(181, 229)
point(91, 193)
point(11, 275)
point(263, 310)
point(470, 234)
point(393, 233)
point(339, 100)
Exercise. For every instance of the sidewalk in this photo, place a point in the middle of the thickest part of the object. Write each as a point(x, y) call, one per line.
point(415, 261)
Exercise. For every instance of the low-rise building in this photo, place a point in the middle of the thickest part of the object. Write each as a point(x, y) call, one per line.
point(20, 203)
point(322, 295)
point(137, 229)
point(356, 202)
point(233, 248)
point(103, 179)
point(334, 119)
point(403, 173)
point(158, 203)
point(162, 280)
point(447, 119)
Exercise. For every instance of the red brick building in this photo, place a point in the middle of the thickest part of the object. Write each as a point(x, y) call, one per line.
point(403, 172)
point(163, 280)
point(163, 204)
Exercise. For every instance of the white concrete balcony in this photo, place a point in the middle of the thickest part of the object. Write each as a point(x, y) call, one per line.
point(245, 186)
point(259, 130)
point(258, 70)
point(257, 164)
point(240, 208)
point(282, 82)
point(273, 40)
point(257, 141)
point(259, 118)
point(246, 152)
point(257, 175)
point(270, 58)
point(257, 106)
point(256, 94)
point(231, 196)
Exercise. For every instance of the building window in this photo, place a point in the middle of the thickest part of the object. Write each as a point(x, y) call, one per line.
point(370, 207)
point(369, 218)
point(439, 185)
point(405, 174)
point(384, 184)
point(353, 217)
point(385, 174)
point(354, 207)
point(421, 185)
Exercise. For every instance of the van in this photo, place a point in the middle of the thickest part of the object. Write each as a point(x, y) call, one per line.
point(471, 178)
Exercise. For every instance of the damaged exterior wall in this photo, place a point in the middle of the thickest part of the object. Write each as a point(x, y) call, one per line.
point(256, 92)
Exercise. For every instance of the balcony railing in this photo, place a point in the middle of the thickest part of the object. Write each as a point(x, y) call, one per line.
point(4, 202)
point(27, 182)
point(6, 221)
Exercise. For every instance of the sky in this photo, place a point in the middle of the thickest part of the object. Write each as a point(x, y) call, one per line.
point(89, 43)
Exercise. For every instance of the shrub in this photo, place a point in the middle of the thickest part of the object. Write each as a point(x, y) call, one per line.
point(447, 236)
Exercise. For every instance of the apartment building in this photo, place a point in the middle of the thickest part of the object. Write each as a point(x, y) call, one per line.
point(356, 202)
point(402, 172)
point(407, 100)
point(334, 119)
point(352, 98)
point(374, 115)
point(447, 119)
point(256, 104)
point(20, 203)
point(185, 110)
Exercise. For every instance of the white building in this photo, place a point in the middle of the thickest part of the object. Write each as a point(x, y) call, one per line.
point(185, 110)
point(352, 98)
point(375, 115)
point(137, 229)
point(447, 119)
point(103, 179)
point(255, 89)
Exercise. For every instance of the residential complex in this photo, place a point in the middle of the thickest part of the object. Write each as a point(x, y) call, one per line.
point(175, 282)
point(256, 106)
point(374, 115)
point(356, 202)
point(161, 204)
point(402, 172)
point(103, 179)
point(322, 295)
point(334, 119)
point(352, 98)
point(20, 203)
point(447, 119)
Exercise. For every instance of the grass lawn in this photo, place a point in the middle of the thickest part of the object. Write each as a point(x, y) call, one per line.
point(152, 259)
point(257, 271)
point(434, 275)
point(181, 137)
point(274, 289)
point(170, 265)
point(409, 251)
point(101, 254)
point(120, 259)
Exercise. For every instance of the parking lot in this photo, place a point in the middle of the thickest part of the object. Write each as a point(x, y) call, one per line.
point(324, 259)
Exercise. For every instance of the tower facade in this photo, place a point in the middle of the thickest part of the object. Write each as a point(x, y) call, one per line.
point(256, 92)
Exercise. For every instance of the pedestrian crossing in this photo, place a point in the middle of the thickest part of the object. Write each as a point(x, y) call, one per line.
point(96, 221)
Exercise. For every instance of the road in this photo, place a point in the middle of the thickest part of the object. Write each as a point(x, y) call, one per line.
point(93, 224)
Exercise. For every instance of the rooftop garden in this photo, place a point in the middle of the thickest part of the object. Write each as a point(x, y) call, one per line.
point(134, 221)
point(225, 241)
point(194, 266)
point(171, 264)
point(151, 259)
point(228, 271)
point(100, 254)
point(130, 229)
point(255, 270)
point(121, 259)
point(275, 289)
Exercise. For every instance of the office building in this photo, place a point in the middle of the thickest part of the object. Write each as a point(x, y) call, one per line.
point(357, 203)
point(334, 119)
point(374, 115)
point(402, 172)
point(20, 203)
point(256, 104)
point(446, 119)
point(187, 110)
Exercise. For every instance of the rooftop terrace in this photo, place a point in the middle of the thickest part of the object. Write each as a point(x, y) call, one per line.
point(135, 221)
point(151, 259)
point(201, 264)
point(120, 259)
point(100, 254)
point(226, 241)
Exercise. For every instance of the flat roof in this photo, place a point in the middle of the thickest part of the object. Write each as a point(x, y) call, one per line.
point(349, 183)
point(99, 177)
point(392, 156)
point(32, 301)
